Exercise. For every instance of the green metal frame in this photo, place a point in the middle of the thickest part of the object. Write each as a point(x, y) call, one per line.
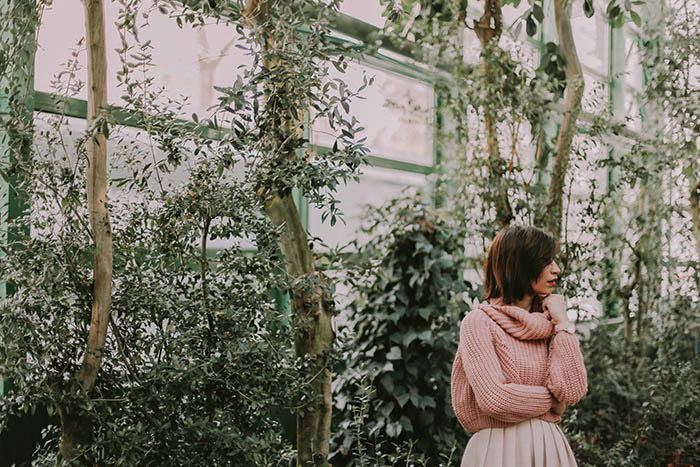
point(14, 205)
point(358, 30)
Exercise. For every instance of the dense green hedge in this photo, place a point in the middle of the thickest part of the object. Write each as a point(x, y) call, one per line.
point(640, 410)
point(408, 294)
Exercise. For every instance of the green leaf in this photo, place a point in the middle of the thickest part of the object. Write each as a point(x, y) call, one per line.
point(396, 337)
point(619, 21)
point(388, 382)
point(424, 312)
point(402, 399)
point(394, 353)
point(518, 29)
point(537, 12)
point(530, 26)
point(429, 402)
point(409, 337)
point(615, 12)
point(406, 423)
point(636, 18)
point(393, 429)
point(426, 335)
point(588, 8)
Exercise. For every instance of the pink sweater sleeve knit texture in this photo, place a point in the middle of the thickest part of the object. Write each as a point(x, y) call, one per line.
point(509, 363)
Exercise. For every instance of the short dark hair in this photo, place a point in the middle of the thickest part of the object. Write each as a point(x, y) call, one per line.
point(517, 256)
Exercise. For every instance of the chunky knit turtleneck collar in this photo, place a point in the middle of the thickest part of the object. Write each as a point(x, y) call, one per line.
point(518, 322)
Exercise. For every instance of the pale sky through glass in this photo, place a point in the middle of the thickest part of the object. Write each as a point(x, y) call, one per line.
point(188, 61)
point(369, 11)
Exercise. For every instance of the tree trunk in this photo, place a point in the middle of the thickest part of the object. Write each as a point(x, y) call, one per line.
point(572, 108)
point(489, 29)
point(75, 432)
point(311, 304)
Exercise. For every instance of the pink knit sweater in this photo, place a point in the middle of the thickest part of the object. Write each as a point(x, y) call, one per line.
point(509, 363)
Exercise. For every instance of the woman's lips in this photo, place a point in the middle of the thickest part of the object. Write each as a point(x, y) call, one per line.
point(552, 283)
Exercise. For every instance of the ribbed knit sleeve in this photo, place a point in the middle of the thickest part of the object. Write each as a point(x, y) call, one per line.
point(567, 378)
point(509, 402)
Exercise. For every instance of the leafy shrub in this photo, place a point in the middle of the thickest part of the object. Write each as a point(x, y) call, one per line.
point(410, 291)
point(197, 356)
point(640, 410)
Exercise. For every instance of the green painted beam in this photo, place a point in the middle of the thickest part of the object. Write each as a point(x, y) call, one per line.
point(74, 107)
point(387, 163)
point(16, 102)
point(437, 200)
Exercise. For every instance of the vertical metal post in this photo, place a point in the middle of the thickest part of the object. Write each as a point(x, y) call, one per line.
point(550, 129)
point(616, 61)
point(16, 123)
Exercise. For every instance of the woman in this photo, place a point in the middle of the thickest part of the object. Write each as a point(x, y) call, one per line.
point(518, 362)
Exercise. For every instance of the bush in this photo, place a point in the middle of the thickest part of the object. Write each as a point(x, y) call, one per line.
point(640, 410)
point(197, 356)
point(410, 294)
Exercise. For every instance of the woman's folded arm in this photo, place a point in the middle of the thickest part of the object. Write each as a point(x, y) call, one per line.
point(510, 402)
point(567, 378)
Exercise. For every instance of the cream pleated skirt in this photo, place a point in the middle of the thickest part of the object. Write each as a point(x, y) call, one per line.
point(531, 443)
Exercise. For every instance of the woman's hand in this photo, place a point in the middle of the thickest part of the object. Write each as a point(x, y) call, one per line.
point(557, 407)
point(556, 304)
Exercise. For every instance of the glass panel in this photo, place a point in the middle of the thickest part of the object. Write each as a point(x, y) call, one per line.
point(632, 112)
point(199, 59)
point(512, 18)
point(369, 11)
point(633, 69)
point(395, 111)
point(472, 46)
point(58, 147)
point(521, 147)
point(523, 49)
point(596, 93)
point(376, 185)
point(585, 169)
point(591, 37)
point(128, 150)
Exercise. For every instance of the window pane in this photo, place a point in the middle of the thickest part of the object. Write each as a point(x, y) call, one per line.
point(376, 185)
point(187, 61)
point(369, 11)
point(472, 47)
point(129, 149)
point(633, 68)
point(632, 112)
point(595, 94)
point(591, 37)
point(585, 171)
point(395, 111)
point(522, 49)
point(512, 18)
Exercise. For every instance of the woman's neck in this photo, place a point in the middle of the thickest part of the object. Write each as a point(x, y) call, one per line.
point(525, 302)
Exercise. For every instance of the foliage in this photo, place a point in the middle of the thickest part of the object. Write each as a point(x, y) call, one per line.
point(371, 450)
point(611, 244)
point(639, 411)
point(198, 356)
point(408, 292)
point(199, 361)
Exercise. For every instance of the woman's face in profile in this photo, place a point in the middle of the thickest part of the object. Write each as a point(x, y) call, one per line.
point(547, 281)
